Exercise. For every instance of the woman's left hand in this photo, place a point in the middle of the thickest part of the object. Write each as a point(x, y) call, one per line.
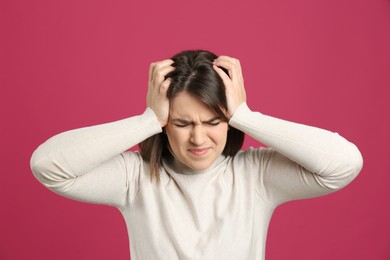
point(234, 82)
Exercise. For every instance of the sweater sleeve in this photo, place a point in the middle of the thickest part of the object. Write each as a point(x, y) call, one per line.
point(89, 164)
point(301, 161)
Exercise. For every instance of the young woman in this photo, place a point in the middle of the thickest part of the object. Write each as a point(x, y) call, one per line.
point(191, 193)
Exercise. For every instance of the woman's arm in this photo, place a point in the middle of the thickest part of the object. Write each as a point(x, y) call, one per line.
point(303, 161)
point(86, 164)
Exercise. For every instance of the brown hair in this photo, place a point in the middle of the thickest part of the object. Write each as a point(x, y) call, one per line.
point(194, 74)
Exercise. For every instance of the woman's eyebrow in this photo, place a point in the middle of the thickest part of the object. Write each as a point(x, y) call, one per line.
point(184, 121)
point(181, 121)
point(213, 119)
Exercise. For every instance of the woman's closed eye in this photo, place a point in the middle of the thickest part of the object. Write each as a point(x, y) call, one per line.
point(181, 123)
point(184, 123)
point(214, 123)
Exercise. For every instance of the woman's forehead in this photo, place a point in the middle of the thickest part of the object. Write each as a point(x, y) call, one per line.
point(183, 105)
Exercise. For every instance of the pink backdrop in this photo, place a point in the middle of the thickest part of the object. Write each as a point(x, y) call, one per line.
point(67, 64)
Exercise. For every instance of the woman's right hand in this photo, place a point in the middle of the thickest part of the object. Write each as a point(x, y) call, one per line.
point(156, 98)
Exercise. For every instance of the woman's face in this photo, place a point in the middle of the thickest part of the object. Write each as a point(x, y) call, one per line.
point(196, 134)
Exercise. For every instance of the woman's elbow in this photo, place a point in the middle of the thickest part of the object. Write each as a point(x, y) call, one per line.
point(48, 172)
point(350, 166)
point(355, 161)
point(40, 167)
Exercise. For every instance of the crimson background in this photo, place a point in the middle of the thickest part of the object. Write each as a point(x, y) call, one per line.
point(68, 64)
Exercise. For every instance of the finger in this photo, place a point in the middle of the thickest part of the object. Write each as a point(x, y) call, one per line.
point(222, 74)
point(224, 58)
point(157, 65)
point(166, 69)
point(162, 64)
point(151, 70)
point(164, 86)
point(160, 75)
point(161, 69)
point(232, 65)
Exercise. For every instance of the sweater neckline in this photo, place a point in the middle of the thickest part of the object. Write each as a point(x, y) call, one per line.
point(180, 168)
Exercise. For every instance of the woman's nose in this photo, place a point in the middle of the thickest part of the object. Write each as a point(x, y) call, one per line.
point(198, 135)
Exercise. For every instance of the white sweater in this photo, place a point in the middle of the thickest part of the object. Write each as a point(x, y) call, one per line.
point(219, 213)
